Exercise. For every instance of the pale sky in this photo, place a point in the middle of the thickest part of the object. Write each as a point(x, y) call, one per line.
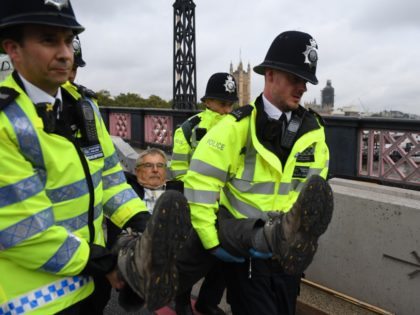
point(369, 49)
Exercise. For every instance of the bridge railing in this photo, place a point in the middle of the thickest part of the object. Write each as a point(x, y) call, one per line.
point(382, 150)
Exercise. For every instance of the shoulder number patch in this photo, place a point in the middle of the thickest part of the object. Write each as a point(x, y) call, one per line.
point(242, 112)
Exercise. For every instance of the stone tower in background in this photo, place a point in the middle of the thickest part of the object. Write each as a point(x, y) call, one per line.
point(243, 80)
point(327, 96)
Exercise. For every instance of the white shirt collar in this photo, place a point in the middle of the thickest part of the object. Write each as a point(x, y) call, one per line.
point(37, 95)
point(272, 111)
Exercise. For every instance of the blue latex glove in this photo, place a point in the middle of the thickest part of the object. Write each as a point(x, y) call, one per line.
point(259, 255)
point(223, 255)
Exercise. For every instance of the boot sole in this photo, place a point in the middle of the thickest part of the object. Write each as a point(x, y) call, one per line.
point(300, 254)
point(168, 230)
point(316, 205)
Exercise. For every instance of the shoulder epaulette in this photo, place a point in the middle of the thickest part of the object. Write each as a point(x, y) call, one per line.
point(7, 95)
point(84, 91)
point(194, 120)
point(242, 112)
point(188, 126)
point(318, 116)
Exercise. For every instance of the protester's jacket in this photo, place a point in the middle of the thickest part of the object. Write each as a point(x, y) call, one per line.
point(232, 162)
point(186, 139)
point(53, 196)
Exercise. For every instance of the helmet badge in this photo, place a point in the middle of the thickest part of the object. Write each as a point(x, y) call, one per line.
point(59, 4)
point(230, 84)
point(311, 53)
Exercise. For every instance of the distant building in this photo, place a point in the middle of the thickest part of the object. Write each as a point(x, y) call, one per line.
point(327, 101)
point(313, 105)
point(392, 114)
point(243, 80)
point(350, 110)
point(327, 96)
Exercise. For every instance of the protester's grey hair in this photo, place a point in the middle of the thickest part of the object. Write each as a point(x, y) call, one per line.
point(151, 151)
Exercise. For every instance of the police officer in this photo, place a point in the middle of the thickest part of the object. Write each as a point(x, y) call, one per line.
point(6, 66)
point(78, 58)
point(267, 163)
point(220, 95)
point(59, 175)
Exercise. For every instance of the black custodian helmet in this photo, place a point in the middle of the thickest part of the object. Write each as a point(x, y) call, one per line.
point(221, 86)
point(294, 52)
point(45, 12)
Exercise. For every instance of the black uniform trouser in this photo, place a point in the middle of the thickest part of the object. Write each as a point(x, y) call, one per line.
point(268, 291)
point(95, 303)
point(71, 310)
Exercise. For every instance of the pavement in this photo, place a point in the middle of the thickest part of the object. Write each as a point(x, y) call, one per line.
point(114, 309)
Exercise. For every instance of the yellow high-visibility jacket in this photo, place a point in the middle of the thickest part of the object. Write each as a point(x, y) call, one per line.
point(231, 162)
point(44, 203)
point(186, 140)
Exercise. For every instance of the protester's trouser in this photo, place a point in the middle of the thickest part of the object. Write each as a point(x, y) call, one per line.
point(193, 263)
point(213, 287)
point(263, 290)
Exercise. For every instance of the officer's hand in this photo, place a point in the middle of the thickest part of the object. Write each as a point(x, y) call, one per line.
point(223, 255)
point(259, 255)
point(115, 281)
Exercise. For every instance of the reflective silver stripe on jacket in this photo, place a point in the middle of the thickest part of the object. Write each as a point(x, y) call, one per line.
point(297, 185)
point(201, 196)
point(27, 138)
point(208, 170)
point(180, 157)
point(245, 209)
point(118, 200)
point(20, 191)
point(26, 228)
point(114, 179)
point(74, 190)
point(178, 173)
point(111, 161)
point(39, 297)
point(63, 255)
point(264, 188)
point(80, 221)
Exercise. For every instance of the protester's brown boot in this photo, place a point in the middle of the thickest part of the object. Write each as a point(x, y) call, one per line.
point(149, 264)
point(293, 236)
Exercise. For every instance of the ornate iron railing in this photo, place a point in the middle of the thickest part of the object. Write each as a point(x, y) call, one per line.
point(386, 151)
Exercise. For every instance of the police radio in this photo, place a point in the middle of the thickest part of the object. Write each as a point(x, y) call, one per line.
point(87, 124)
point(289, 135)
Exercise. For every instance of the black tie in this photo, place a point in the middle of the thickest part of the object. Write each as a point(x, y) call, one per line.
point(57, 108)
point(282, 123)
point(273, 129)
point(48, 114)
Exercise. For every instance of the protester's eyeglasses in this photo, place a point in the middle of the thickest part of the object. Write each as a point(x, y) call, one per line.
point(152, 165)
